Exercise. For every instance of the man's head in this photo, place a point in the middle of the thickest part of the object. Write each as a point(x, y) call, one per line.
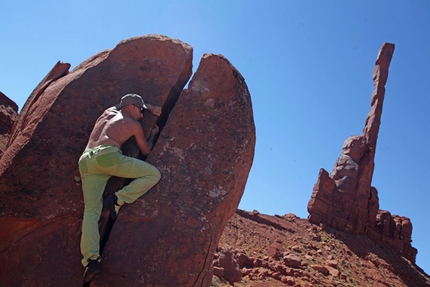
point(133, 105)
point(132, 99)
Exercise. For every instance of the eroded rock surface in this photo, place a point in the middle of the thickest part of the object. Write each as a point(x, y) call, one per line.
point(8, 116)
point(204, 152)
point(345, 198)
point(279, 251)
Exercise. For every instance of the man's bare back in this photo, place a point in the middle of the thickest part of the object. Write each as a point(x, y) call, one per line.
point(116, 126)
point(110, 128)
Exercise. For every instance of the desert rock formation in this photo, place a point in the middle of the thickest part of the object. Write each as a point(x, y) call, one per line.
point(259, 250)
point(345, 198)
point(8, 116)
point(204, 151)
point(204, 154)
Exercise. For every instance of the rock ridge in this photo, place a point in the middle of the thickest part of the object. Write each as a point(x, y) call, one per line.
point(253, 253)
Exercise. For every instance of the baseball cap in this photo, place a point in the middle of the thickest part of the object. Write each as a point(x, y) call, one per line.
point(132, 99)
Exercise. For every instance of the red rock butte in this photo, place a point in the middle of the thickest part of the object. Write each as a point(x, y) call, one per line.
point(345, 198)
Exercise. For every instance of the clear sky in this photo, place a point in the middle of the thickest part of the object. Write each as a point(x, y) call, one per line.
point(308, 66)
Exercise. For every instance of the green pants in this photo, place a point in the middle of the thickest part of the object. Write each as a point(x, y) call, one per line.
point(96, 166)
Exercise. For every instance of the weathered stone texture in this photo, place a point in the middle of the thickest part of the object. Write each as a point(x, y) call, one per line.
point(8, 112)
point(395, 231)
point(204, 164)
point(8, 116)
point(54, 125)
point(226, 266)
point(204, 153)
point(345, 199)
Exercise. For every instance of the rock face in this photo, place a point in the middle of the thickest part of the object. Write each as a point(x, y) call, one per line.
point(8, 116)
point(204, 154)
point(203, 158)
point(226, 266)
point(345, 199)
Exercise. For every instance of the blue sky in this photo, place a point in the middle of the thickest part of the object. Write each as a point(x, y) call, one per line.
point(308, 66)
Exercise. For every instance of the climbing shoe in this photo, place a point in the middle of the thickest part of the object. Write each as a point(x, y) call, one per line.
point(111, 203)
point(92, 269)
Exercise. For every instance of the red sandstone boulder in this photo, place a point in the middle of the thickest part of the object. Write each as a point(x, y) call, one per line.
point(227, 266)
point(204, 153)
point(41, 199)
point(292, 260)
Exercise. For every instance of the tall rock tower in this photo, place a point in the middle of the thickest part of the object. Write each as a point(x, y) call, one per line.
point(345, 198)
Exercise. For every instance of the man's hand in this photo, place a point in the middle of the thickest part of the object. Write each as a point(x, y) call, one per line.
point(151, 140)
point(155, 110)
point(155, 130)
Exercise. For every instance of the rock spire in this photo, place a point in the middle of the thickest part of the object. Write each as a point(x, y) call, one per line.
point(345, 198)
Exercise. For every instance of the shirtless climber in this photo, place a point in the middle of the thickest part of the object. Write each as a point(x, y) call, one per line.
point(102, 159)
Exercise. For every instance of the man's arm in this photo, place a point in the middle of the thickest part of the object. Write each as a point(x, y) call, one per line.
point(144, 145)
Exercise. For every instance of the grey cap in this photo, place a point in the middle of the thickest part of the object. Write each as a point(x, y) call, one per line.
point(132, 99)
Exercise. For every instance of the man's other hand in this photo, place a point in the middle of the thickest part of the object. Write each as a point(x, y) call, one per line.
point(155, 110)
point(155, 130)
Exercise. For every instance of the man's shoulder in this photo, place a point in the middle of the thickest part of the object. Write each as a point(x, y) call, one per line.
point(111, 111)
point(129, 122)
